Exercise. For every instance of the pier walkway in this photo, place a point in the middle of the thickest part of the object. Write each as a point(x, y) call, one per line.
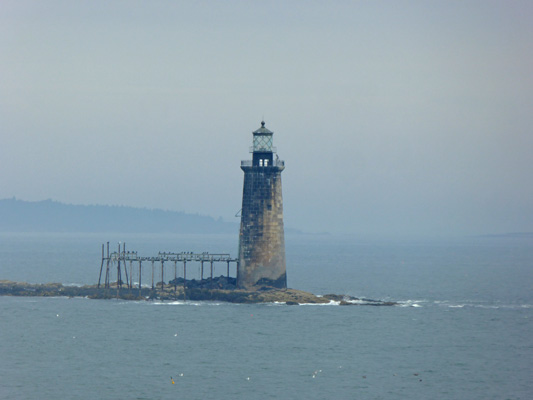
point(120, 259)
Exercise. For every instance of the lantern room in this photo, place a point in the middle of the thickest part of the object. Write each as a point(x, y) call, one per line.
point(262, 148)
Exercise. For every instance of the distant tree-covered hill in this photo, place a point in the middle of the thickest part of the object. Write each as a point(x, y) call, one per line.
point(52, 216)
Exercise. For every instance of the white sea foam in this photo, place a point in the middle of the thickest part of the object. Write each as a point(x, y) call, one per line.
point(185, 303)
point(168, 303)
point(143, 285)
point(331, 303)
point(411, 303)
point(477, 304)
point(282, 303)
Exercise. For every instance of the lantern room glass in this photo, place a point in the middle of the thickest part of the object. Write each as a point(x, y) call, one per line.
point(262, 142)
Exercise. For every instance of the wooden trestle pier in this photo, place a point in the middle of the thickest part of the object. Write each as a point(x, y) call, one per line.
point(121, 258)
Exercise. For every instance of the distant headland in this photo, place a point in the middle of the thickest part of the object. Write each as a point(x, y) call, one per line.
point(52, 216)
point(509, 235)
point(18, 215)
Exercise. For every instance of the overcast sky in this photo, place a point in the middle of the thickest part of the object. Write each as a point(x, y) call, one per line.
point(393, 117)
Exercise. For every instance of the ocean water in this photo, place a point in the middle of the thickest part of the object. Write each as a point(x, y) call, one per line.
point(463, 329)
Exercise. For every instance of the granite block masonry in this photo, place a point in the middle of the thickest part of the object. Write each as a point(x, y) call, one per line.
point(261, 238)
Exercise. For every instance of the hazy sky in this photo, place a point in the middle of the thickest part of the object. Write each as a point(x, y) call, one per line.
point(393, 117)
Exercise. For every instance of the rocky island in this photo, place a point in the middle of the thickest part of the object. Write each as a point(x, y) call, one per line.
point(216, 289)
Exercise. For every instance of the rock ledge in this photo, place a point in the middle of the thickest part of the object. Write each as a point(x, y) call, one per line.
point(191, 292)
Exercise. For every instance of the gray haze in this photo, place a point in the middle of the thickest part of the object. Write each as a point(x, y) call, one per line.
point(393, 117)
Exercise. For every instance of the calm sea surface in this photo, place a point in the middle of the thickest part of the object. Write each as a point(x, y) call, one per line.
point(464, 329)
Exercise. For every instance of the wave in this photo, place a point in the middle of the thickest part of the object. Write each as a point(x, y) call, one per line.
point(482, 305)
point(411, 303)
point(462, 304)
point(185, 303)
point(331, 303)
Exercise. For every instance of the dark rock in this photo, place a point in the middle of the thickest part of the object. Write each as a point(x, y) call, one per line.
point(335, 297)
point(176, 282)
point(279, 283)
point(216, 289)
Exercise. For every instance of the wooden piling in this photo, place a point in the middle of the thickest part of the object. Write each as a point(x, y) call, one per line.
point(131, 275)
point(184, 279)
point(140, 274)
point(162, 280)
point(152, 274)
point(125, 267)
point(107, 269)
point(119, 280)
point(101, 267)
point(175, 276)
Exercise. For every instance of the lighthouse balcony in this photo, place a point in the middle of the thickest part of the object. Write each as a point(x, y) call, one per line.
point(275, 163)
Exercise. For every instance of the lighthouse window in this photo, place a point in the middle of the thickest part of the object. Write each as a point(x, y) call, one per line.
point(266, 163)
point(260, 163)
point(263, 143)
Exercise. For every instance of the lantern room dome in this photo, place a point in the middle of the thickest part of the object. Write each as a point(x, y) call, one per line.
point(262, 130)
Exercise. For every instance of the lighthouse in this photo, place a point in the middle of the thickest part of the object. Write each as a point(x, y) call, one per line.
point(261, 237)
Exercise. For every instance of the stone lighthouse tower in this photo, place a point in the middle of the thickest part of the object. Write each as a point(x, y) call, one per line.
point(261, 239)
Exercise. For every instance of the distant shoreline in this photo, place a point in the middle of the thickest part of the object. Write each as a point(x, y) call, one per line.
point(49, 216)
point(508, 235)
point(52, 216)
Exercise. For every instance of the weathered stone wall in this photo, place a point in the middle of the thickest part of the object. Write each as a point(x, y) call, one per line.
point(262, 239)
